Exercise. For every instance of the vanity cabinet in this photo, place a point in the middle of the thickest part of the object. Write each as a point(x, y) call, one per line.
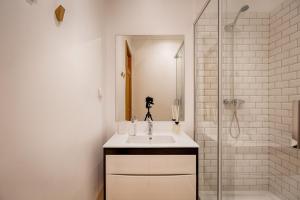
point(160, 187)
point(151, 173)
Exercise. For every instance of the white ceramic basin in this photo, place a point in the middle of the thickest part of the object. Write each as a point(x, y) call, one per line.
point(155, 139)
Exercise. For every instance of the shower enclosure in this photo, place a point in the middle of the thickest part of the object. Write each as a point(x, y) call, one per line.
point(247, 78)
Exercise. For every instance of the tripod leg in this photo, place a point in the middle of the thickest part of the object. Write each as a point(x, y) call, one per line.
point(148, 115)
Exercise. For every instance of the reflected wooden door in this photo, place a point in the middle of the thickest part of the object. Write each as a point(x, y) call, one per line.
point(128, 85)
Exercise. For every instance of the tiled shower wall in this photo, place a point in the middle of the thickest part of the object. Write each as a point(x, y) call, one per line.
point(245, 77)
point(284, 88)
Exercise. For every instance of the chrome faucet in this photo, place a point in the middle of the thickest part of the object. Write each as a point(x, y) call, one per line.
point(150, 126)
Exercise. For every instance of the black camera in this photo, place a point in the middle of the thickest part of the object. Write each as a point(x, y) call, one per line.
point(149, 102)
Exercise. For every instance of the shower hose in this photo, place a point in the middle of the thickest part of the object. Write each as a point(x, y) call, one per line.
point(234, 118)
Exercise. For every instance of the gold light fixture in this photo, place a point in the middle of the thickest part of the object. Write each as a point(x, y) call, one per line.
point(59, 13)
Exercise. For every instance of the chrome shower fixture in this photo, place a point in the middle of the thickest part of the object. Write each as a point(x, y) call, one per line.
point(229, 27)
point(244, 8)
point(234, 104)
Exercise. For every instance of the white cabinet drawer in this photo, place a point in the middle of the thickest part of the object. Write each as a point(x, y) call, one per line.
point(151, 164)
point(175, 187)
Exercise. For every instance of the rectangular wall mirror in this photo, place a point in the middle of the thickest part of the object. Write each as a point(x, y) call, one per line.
point(149, 67)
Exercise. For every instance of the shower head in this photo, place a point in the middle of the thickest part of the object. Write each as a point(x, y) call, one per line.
point(244, 8)
point(229, 27)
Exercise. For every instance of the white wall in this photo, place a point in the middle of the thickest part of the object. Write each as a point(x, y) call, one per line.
point(154, 75)
point(51, 119)
point(149, 17)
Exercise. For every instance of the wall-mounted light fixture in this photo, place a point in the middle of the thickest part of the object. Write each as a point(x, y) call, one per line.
point(59, 13)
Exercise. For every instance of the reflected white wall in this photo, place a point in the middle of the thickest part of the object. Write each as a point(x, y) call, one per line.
point(154, 75)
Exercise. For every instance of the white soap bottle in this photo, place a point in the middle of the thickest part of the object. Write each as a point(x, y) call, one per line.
point(133, 126)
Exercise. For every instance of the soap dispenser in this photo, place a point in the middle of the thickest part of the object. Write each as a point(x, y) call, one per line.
point(133, 126)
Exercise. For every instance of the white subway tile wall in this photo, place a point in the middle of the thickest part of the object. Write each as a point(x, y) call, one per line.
point(263, 56)
point(284, 88)
point(245, 77)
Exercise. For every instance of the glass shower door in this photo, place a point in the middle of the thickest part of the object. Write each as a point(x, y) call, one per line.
point(244, 99)
point(206, 98)
point(246, 84)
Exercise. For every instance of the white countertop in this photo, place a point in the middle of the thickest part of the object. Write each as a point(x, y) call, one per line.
point(182, 140)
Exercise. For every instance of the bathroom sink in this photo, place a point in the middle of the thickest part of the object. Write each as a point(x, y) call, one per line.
point(155, 139)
